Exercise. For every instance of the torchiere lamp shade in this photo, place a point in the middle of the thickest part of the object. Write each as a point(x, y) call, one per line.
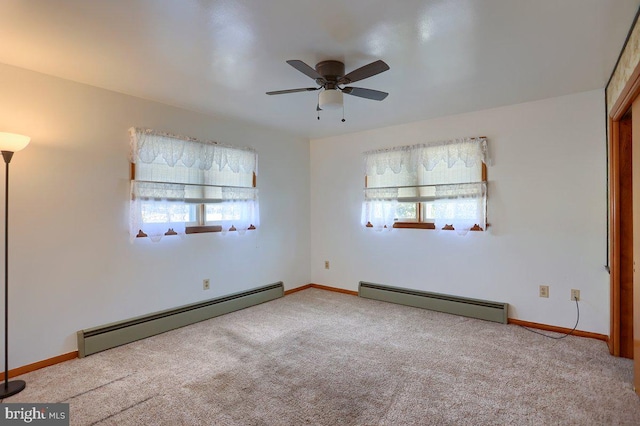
point(13, 142)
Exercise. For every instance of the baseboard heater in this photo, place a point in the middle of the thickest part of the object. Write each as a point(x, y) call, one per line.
point(474, 308)
point(108, 336)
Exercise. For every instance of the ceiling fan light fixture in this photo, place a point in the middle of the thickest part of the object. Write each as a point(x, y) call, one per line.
point(330, 99)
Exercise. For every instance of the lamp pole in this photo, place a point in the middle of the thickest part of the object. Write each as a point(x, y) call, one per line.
point(9, 144)
point(15, 386)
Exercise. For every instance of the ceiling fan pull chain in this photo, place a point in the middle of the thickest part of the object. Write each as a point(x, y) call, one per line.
point(343, 120)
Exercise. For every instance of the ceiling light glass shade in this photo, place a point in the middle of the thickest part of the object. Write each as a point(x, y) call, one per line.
point(330, 99)
point(12, 142)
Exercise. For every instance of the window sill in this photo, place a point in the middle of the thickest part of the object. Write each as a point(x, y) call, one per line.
point(195, 230)
point(425, 225)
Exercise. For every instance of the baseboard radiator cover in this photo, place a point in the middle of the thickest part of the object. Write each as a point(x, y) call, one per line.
point(97, 339)
point(473, 308)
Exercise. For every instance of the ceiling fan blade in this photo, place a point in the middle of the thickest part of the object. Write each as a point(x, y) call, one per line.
point(305, 69)
point(282, 92)
point(364, 72)
point(376, 95)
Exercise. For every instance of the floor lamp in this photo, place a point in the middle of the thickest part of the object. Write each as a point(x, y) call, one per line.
point(9, 143)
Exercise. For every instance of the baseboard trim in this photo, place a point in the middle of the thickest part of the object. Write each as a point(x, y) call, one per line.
point(40, 364)
point(321, 287)
point(555, 329)
point(334, 289)
point(297, 289)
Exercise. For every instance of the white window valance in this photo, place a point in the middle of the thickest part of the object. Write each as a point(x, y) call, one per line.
point(470, 151)
point(446, 174)
point(175, 172)
point(148, 145)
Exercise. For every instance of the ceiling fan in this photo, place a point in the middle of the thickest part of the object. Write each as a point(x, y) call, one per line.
point(330, 76)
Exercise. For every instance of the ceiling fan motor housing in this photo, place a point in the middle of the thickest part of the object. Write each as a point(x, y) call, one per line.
point(332, 71)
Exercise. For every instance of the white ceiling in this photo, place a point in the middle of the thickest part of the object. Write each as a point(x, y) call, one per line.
point(221, 56)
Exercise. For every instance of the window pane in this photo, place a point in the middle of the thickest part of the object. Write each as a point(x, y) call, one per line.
point(161, 212)
point(193, 215)
point(213, 212)
point(406, 212)
point(219, 211)
point(427, 211)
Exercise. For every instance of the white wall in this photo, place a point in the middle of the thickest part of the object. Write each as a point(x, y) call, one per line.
point(71, 263)
point(546, 206)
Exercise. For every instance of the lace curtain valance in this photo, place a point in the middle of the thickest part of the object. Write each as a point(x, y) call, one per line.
point(470, 151)
point(446, 175)
point(175, 173)
point(148, 145)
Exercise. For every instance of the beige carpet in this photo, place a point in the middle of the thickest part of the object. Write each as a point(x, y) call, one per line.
point(323, 358)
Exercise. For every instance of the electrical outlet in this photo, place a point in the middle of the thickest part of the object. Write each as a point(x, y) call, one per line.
point(206, 284)
point(575, 294)
point(544, 291)
point(326, 264)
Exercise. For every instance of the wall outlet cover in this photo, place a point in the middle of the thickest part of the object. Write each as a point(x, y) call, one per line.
point(544, 291)
point(575, 294)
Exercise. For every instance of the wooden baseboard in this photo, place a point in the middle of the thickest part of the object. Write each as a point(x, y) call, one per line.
point(321, 287)
point(334, 289)
point(40, 364)
point(294, 290)
point(562, 330)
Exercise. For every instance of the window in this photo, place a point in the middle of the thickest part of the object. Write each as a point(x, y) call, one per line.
point(181, 185)
point(439, 185)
